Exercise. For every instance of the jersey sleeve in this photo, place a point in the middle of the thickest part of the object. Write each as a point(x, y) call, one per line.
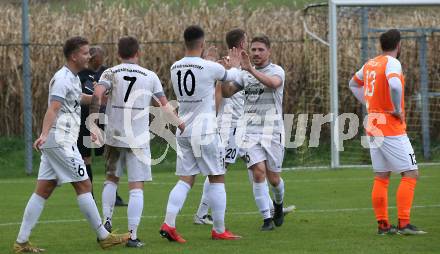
point(396, 93)
point(393, 68)
point(59, 90)
point(219, 71)
point(239, 81)
point(279, 72)
point(106, 79)
point(157, 87)
point(359, 77)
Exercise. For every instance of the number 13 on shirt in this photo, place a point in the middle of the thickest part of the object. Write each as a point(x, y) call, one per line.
point(370, 80)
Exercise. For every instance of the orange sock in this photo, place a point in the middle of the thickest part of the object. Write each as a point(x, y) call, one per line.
point(405, 196)
point(379, 196)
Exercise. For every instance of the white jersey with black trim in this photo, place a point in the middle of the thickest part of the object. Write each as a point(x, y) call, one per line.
point(263, 107)
point(231, 111)
point(131, 88)
point(194, 80)
point(65, 87)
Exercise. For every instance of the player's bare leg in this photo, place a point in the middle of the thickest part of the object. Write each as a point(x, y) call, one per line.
point(45, 188)
point(88, 162)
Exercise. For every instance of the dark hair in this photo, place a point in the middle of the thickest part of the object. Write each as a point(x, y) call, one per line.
point(73, 44)
point(389, 40)
point(128, 46)
point(234, 37)
point(263, 39)
point(96, 50)
point(192, 35)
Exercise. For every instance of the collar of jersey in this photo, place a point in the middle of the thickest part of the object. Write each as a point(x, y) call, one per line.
point(259, 68)
point(76, 75)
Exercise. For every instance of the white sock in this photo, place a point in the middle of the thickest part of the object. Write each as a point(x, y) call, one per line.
point(261, 192)
point(88, 207)
point(175, 202)
point(251, 176)
point(279, 192)
point(134, 211)
point(269, 198)
point(108, 200)
point(204, 202)
point(217, 202)
point(31, 214)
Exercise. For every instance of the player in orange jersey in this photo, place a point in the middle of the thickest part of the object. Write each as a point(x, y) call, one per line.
point(379, 84)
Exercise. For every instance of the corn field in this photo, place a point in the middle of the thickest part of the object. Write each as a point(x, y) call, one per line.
point(160, 29)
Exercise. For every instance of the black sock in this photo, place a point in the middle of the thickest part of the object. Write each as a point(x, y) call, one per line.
point(118, 197)
point(89, 173)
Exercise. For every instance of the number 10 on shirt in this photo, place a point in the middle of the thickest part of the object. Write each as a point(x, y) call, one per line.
point(189, 92)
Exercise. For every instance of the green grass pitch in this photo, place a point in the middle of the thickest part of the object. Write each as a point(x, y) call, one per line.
point(333, 214)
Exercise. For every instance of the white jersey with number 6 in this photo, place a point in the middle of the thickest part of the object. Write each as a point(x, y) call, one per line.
point(194, 81)
point(131, 88)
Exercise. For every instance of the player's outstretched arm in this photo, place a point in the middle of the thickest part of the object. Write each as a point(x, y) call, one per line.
point(48, 121)
point(86, 99)
point(228, 86)
point(357, 90)
point(269, 81)
point(95, 105)
point(97, 98)
point(229, 89)
point(234, 57)
point(232, 61)
point(170, 113)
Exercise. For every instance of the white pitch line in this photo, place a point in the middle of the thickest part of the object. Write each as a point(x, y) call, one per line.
point(355, 166)
point(227, 182)
point(356, 209)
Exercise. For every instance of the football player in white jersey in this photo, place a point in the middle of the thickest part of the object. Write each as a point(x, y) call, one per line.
point(232, 127)
point(61, 161)
point(264, 135)
point(229, 112)
point(199, 148)
point(131, 90)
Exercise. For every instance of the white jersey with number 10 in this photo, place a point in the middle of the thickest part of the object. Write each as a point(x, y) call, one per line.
point(194, 82)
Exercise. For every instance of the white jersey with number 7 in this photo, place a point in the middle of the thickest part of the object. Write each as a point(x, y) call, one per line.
point(131, 88)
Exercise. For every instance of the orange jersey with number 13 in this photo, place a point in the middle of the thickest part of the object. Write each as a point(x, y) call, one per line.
point(374, 76)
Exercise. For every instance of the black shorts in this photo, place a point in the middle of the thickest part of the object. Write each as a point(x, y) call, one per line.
point(86, 151)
